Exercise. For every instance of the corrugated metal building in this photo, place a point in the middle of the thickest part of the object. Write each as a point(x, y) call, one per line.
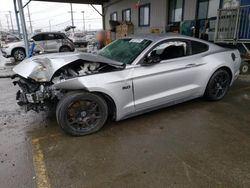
point(166, 15)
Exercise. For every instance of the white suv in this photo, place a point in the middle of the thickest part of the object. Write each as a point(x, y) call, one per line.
point(50, 42)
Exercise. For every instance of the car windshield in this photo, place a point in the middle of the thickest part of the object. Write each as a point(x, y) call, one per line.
point(124, 50)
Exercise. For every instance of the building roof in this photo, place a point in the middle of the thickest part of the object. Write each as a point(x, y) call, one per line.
point(98, 2)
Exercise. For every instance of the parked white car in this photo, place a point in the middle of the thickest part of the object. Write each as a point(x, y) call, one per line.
point(50, 42)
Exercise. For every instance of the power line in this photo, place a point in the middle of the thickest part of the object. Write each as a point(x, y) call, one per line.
point(7, 21)
point(90, 19)
point(57, 24)
point(11, 21)
point(46, 18)
point(45, 10)
point(31, 29)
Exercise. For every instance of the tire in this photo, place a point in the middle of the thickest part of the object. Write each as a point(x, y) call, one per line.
point(19, 54)
point(81, 113)
point(65, 49)
point(244, 68)
point(218, 85)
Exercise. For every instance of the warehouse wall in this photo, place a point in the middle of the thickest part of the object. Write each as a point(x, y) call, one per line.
point(190, 9)
point(158, 13)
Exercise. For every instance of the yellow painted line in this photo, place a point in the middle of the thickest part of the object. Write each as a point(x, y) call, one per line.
point(42, 179)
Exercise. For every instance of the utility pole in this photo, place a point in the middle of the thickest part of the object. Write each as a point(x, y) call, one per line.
point(7, 21)
point(11, 22)
point(17, 20)
point(31, 29)
point(50, 25)
point(72, 16)
point(22, 18)
point(83, 21)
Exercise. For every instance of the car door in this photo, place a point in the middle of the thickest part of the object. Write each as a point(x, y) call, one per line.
point(174, 78)
point(39, 41)
point(51, 42)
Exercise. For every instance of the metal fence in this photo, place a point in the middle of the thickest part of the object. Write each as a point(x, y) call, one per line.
point(233, 25)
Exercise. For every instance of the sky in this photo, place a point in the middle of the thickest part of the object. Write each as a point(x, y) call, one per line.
point(57, 14)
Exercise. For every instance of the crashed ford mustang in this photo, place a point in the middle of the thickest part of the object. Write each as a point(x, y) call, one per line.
point(130, 76)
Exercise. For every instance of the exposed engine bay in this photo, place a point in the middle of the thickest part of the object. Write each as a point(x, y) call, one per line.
point(39, 95)
point(81, 68)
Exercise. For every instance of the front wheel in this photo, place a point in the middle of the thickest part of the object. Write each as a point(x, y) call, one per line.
point(64, 49)
point(81, 113)
point(218, 85)
point(19, 54)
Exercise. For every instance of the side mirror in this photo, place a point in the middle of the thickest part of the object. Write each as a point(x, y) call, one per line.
point(31, 40)
point(151, 60)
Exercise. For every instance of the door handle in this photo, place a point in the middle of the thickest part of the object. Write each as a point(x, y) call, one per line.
point(191, 65)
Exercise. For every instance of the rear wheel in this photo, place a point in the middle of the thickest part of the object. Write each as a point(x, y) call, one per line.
point(19, 54)
point(81, 113)
point(244, 68)
point(218, 85)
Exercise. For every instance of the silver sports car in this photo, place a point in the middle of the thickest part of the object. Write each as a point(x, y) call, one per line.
point(130, 76)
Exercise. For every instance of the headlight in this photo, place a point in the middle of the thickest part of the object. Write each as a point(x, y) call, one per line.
point(40, 73)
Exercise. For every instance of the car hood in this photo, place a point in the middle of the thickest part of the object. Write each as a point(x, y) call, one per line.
point(48, 64)
point(15, 44)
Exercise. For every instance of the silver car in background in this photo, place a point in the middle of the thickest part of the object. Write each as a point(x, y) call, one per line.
point(130, 76)
point(48, 41)
point(79, 39)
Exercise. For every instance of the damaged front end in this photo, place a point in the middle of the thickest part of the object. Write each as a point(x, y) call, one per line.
point(38, 76)
point(35, 96)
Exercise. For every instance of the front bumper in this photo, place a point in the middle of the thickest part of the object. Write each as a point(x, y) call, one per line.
point(5, 53)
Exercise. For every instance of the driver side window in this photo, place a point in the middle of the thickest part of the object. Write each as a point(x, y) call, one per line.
point(170, 50)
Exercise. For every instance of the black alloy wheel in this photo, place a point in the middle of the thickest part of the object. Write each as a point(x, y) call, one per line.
point(82, 113)
point(218, 85)
point(19, 54)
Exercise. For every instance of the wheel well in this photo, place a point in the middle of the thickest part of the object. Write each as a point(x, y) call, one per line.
point(228, 70)
point(63, 46)
point(110, 102)
point(12, 52)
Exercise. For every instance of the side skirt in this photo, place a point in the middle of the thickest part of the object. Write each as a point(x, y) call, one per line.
point(172, 103)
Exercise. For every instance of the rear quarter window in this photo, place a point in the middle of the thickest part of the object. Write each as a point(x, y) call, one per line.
point(49, 37)
point(59, 36)
point(38, 37)
point(198, 47)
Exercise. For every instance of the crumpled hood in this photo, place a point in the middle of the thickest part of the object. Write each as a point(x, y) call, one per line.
point(50, 63)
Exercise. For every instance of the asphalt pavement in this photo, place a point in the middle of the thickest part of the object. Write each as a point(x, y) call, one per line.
point(194, 144)
point(6, 66)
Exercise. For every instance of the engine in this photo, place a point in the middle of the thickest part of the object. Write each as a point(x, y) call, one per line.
point(36, 96)
point(82, 68)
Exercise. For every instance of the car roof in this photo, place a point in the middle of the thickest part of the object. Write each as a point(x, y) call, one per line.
point(48, 33)
point(161, 36)
point(157, 37)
